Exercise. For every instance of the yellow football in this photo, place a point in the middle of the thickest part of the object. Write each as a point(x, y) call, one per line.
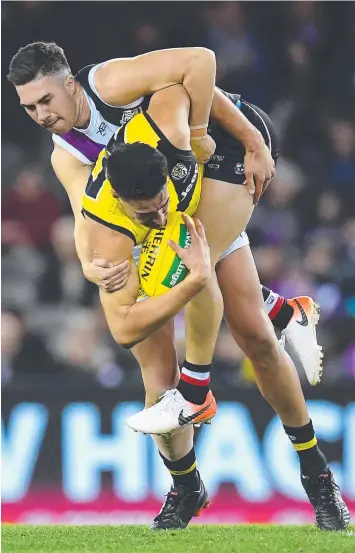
point(159, 267)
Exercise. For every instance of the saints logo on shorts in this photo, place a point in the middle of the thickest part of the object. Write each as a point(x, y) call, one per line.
point(239, 168)
point(178, 172)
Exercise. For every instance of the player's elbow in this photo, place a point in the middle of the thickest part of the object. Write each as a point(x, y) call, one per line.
point(204, 53)
point(204, 56)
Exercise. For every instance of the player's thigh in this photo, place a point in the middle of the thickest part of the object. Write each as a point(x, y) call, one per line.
point(244, 308)
point(157, 358)
point(224, 209)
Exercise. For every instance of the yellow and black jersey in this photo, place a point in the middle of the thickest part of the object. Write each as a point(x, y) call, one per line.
point(184, 182)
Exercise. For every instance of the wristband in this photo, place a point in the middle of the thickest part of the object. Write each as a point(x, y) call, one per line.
point(197, 127)
point(196, 138)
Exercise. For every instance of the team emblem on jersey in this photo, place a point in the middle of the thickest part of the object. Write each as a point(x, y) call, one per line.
point(239, 168)
point(128, 114)
point(179, 172)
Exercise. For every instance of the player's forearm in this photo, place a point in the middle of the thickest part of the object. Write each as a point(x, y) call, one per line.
point(234, 122)
point(143, 318)
point(199, 81)
point(82, 242)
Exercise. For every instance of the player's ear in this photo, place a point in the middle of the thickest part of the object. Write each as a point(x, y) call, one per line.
point(69, 84)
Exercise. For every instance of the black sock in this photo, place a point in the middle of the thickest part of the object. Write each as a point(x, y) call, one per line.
point(284, 313)
point(184, 471)
point(283, 317)
point(194, 382)
point(312, 460)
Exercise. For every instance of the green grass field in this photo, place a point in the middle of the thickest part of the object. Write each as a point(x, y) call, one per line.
point(196, 539)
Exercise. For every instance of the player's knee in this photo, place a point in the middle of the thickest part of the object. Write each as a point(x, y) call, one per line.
point(262, 348)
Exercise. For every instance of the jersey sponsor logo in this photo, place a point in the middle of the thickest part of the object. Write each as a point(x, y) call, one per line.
point(128, 114)
point(102, 129)
point(179, 171)
point(178, 271)
point(213, 165)
point(216, 157)
point(152, 248)
point(239, 168)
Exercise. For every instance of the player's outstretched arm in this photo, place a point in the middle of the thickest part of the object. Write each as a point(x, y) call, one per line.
point(74, 175)
point(131, 322)
point(123, 80)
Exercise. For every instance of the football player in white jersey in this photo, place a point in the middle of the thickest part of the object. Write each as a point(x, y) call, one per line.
point(55, 100)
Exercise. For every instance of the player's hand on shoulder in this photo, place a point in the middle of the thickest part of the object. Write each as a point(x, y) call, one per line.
point(203, 147)
point(259, 169)
point(197, 256)
point(109, 277)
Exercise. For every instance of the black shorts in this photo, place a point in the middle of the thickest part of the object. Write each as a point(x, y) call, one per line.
point(227, 163)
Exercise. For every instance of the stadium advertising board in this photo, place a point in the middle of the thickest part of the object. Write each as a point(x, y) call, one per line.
point(71, 459)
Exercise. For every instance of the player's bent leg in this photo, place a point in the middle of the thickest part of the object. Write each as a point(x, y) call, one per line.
point(192, 402)
point(225, 209)
point(251, 328)
point(286, 316)
point(157, 358)
point(278, 381)
point(187, 497)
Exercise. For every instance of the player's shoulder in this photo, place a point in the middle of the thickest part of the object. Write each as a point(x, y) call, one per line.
point(83, 73)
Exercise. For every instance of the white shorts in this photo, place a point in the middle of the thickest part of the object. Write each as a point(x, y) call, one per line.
point(240, 242)
point(136, 253)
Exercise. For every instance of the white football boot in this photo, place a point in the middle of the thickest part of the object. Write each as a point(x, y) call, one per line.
point(301, 338)
point(172, 413)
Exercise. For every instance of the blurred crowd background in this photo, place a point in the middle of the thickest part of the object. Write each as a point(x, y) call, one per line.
point(296, 60)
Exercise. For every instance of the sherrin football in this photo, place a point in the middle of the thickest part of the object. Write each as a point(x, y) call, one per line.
point(159, 267)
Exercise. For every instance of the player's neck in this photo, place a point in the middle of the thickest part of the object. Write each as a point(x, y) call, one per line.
point(84, 112)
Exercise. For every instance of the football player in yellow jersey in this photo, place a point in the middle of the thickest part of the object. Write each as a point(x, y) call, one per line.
point(183, 173)
point(146, 191)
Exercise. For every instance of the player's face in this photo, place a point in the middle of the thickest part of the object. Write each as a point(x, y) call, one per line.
point(150, 213)
point(51, 102)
